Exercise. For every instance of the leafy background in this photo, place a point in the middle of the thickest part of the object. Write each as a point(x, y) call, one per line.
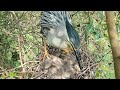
point(25, 25)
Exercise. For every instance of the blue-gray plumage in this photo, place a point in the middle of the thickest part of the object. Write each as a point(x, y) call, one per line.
point(57, 27)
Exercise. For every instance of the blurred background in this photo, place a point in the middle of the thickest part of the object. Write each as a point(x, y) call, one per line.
point(21, 42)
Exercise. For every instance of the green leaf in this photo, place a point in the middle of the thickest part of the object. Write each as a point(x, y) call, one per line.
point(101, 15)
point(97, 74)
point(9, 55)
point(87, 31)
point(12, 74)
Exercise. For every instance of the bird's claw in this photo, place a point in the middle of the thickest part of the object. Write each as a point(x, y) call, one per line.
point(47, 55)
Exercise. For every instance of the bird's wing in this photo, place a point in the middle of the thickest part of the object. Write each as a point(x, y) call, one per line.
point(73, 35)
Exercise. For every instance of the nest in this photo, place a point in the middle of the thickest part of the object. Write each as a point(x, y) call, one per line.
point(61, 66)
point(57, 66)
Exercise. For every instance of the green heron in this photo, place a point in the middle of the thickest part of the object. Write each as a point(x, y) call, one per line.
point(58, 31)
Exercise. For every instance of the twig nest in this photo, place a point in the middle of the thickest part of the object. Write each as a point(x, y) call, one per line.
point(59, 68)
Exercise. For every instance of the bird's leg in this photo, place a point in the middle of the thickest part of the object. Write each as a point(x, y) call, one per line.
point(46, 54)
point(66, 51)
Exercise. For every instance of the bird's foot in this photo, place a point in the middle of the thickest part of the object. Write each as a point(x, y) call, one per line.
point(66, 51)
point(46, 54)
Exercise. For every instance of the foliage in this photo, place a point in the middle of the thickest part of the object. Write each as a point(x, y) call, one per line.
point(23, 26)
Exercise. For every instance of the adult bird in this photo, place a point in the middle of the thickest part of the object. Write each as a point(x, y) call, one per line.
point(58, 31)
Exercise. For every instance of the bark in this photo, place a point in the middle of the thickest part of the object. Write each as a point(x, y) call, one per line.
point(113, 36)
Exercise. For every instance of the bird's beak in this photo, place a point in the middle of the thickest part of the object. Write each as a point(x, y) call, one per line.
point(78, 57)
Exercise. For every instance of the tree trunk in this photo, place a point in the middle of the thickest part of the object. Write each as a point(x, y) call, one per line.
point(113, 41)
